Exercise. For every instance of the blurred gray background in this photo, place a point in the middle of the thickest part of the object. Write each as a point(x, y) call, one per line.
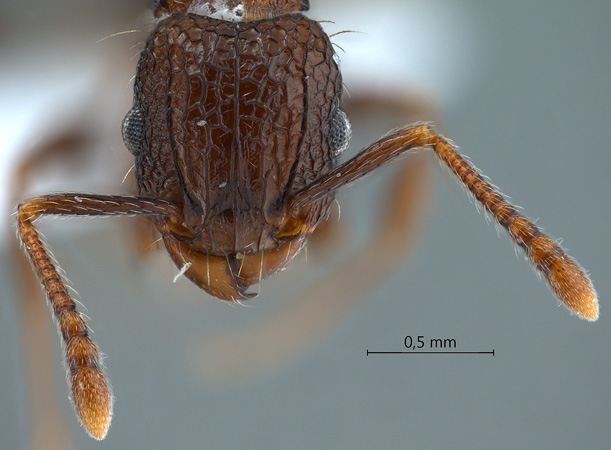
point(522, 88)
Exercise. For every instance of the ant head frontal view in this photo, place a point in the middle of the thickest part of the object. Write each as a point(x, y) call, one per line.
point(237, 130)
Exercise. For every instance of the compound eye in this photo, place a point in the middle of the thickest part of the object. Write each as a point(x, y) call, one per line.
point(341, 132)
point(132, 130)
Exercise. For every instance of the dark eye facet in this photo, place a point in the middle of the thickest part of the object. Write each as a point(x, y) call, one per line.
point(341, 132)
point(132, 130)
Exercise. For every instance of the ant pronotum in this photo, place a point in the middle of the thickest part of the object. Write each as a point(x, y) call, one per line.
point(236, 129)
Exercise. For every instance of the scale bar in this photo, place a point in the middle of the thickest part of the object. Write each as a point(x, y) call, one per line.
point(430, 353)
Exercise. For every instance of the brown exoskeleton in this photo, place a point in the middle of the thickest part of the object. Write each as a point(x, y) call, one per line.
point(236, 129)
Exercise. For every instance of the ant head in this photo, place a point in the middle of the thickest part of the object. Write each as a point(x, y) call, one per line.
point(244, 9)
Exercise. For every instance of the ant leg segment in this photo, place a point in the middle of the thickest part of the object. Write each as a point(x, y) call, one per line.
point(380, 152)
point(91, 391)
point(94, 205)
point(564, 275)
point(48, 427)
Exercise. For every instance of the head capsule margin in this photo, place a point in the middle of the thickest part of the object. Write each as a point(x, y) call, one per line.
point(235, 10)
